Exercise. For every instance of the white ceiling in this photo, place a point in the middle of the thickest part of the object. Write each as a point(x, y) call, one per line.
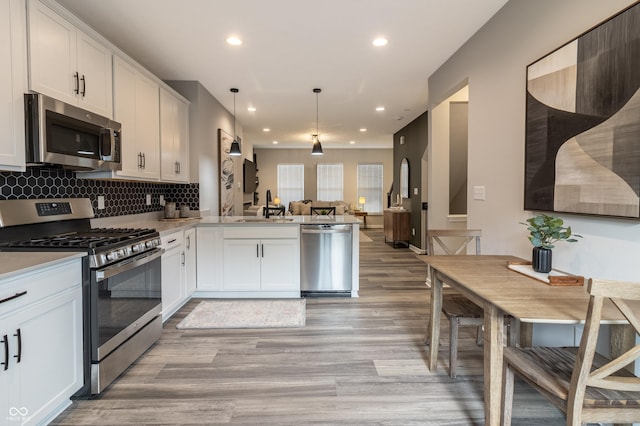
point(291, 47)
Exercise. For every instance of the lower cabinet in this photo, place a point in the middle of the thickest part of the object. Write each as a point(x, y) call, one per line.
point(41, 341)
point(248, 261)
point(190, 245)
point(174, 293)
point(262, 259)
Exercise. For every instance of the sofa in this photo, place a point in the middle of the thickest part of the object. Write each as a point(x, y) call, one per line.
point(303, 207)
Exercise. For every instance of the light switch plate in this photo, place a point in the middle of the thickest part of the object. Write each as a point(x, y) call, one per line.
point(148, 199)
point(478, 193)
point(100, 202)
point(162, 203)
point(415, 191)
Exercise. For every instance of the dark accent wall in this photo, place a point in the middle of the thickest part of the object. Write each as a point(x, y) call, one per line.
point(415, 144)
point(120, 198)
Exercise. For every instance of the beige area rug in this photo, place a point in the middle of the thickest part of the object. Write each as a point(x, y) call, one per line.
point(246, 313)
point(364, 238)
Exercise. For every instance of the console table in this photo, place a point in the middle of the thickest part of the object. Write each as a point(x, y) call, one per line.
point(397, 226)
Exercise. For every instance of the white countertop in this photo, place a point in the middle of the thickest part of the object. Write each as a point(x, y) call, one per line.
point(165, 226)
point(14, 263)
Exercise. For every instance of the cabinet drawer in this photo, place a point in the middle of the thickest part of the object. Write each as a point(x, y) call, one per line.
point(39, 285)
point(175, 239)
point(271, 231)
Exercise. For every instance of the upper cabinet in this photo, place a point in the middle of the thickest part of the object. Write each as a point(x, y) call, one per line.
point(137, 108)
point(12, 84)
point(67, 64)
point(174, 138)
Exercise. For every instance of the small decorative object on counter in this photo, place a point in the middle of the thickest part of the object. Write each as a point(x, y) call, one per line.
point(544, 231)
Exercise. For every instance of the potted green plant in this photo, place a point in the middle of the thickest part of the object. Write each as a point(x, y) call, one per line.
point(544, 232)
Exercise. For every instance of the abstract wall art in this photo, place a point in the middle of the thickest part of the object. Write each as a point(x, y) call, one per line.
point(582, 144)
point(227, 175)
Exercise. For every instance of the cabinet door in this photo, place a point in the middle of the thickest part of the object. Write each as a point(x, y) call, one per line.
point(148, 126)
point(94, 69)
point(241, 265)
point(12, 79)
point(136, 107)
point(52, 54)
point(172, 281)
point(50, 368)
point(280, 268)
point(190, 260)
point(174, 118)
point(209, 255)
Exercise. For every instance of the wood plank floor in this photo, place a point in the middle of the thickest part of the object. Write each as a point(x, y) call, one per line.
point(357, 361)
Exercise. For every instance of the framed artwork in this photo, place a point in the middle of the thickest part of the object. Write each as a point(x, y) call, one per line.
point(582, 152)
point(227, 191)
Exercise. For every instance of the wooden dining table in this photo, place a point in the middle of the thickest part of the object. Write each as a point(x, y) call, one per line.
point(487, 281)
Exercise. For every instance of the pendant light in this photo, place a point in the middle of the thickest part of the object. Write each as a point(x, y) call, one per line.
point(235, 146)
point(317, 148)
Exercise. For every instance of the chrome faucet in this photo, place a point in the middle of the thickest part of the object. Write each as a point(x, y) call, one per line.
point(266, 213)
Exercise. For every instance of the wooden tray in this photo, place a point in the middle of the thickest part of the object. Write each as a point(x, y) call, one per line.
point(555, 277)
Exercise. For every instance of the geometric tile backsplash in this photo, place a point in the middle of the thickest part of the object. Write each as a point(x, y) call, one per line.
point(120, 198)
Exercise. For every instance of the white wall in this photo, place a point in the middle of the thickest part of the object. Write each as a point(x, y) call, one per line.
point(493, 62)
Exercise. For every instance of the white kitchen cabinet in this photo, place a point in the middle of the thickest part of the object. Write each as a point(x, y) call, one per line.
point(12, 84)
point(173, 274)
point(174, 138)
point(262, 259)
point(209, 259)
point(190, 254)
point(42, 330)
point(137, 108)
point(66, 63)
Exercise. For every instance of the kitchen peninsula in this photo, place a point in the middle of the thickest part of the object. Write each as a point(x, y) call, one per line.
point(235, 256)
point(243, 256)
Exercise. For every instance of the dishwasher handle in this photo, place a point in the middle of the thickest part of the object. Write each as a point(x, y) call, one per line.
point(326, 229)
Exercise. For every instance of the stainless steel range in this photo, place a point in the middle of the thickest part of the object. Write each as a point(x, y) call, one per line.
point(121, 278)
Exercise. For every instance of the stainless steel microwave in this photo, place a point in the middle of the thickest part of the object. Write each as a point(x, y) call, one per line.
point(61, 134)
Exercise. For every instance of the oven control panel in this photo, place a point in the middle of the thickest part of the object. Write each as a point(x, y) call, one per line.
point(53, 209)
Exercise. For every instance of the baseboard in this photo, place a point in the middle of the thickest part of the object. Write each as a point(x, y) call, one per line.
point(417, 250)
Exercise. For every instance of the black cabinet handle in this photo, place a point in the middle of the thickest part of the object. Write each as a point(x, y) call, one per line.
point(144, 161)
point(77, 79)
point(257, 250)
point(19, 336)
point(262, 247)
point(139, 160)
point(84, 86)
point(15, 296)
point(5, 340)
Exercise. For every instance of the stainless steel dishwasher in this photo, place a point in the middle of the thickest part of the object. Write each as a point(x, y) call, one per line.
point(325, 260)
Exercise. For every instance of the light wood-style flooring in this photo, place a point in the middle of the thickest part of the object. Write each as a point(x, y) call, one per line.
point(358, 361)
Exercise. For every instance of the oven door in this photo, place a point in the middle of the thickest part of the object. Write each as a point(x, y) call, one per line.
point(124, 297)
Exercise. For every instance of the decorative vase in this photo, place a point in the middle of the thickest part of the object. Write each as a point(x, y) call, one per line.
point(541, 260)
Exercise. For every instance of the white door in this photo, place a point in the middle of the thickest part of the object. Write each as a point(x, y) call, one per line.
point(190, 258)
point(124, 112)
point(172, 281)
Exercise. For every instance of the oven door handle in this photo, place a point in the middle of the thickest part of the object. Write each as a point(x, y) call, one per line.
point(125, 265)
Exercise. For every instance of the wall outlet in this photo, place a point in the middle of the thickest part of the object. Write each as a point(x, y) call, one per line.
point(413, 231)
point(148, 199)
point(415, 191)
point(162, 202)
point(100, 202)
point(478, 193)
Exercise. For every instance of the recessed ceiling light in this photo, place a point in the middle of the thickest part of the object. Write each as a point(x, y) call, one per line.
point(266, 129)
point(363, 130)
point(275, 142)
point(380, 108)
point(380, 41)
point(234, 41)
point(352, 142)
point(251, 109)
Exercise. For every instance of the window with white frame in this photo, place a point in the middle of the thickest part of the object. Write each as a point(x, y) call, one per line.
point(370, 187)
point(330, 182)
point(290, 183)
